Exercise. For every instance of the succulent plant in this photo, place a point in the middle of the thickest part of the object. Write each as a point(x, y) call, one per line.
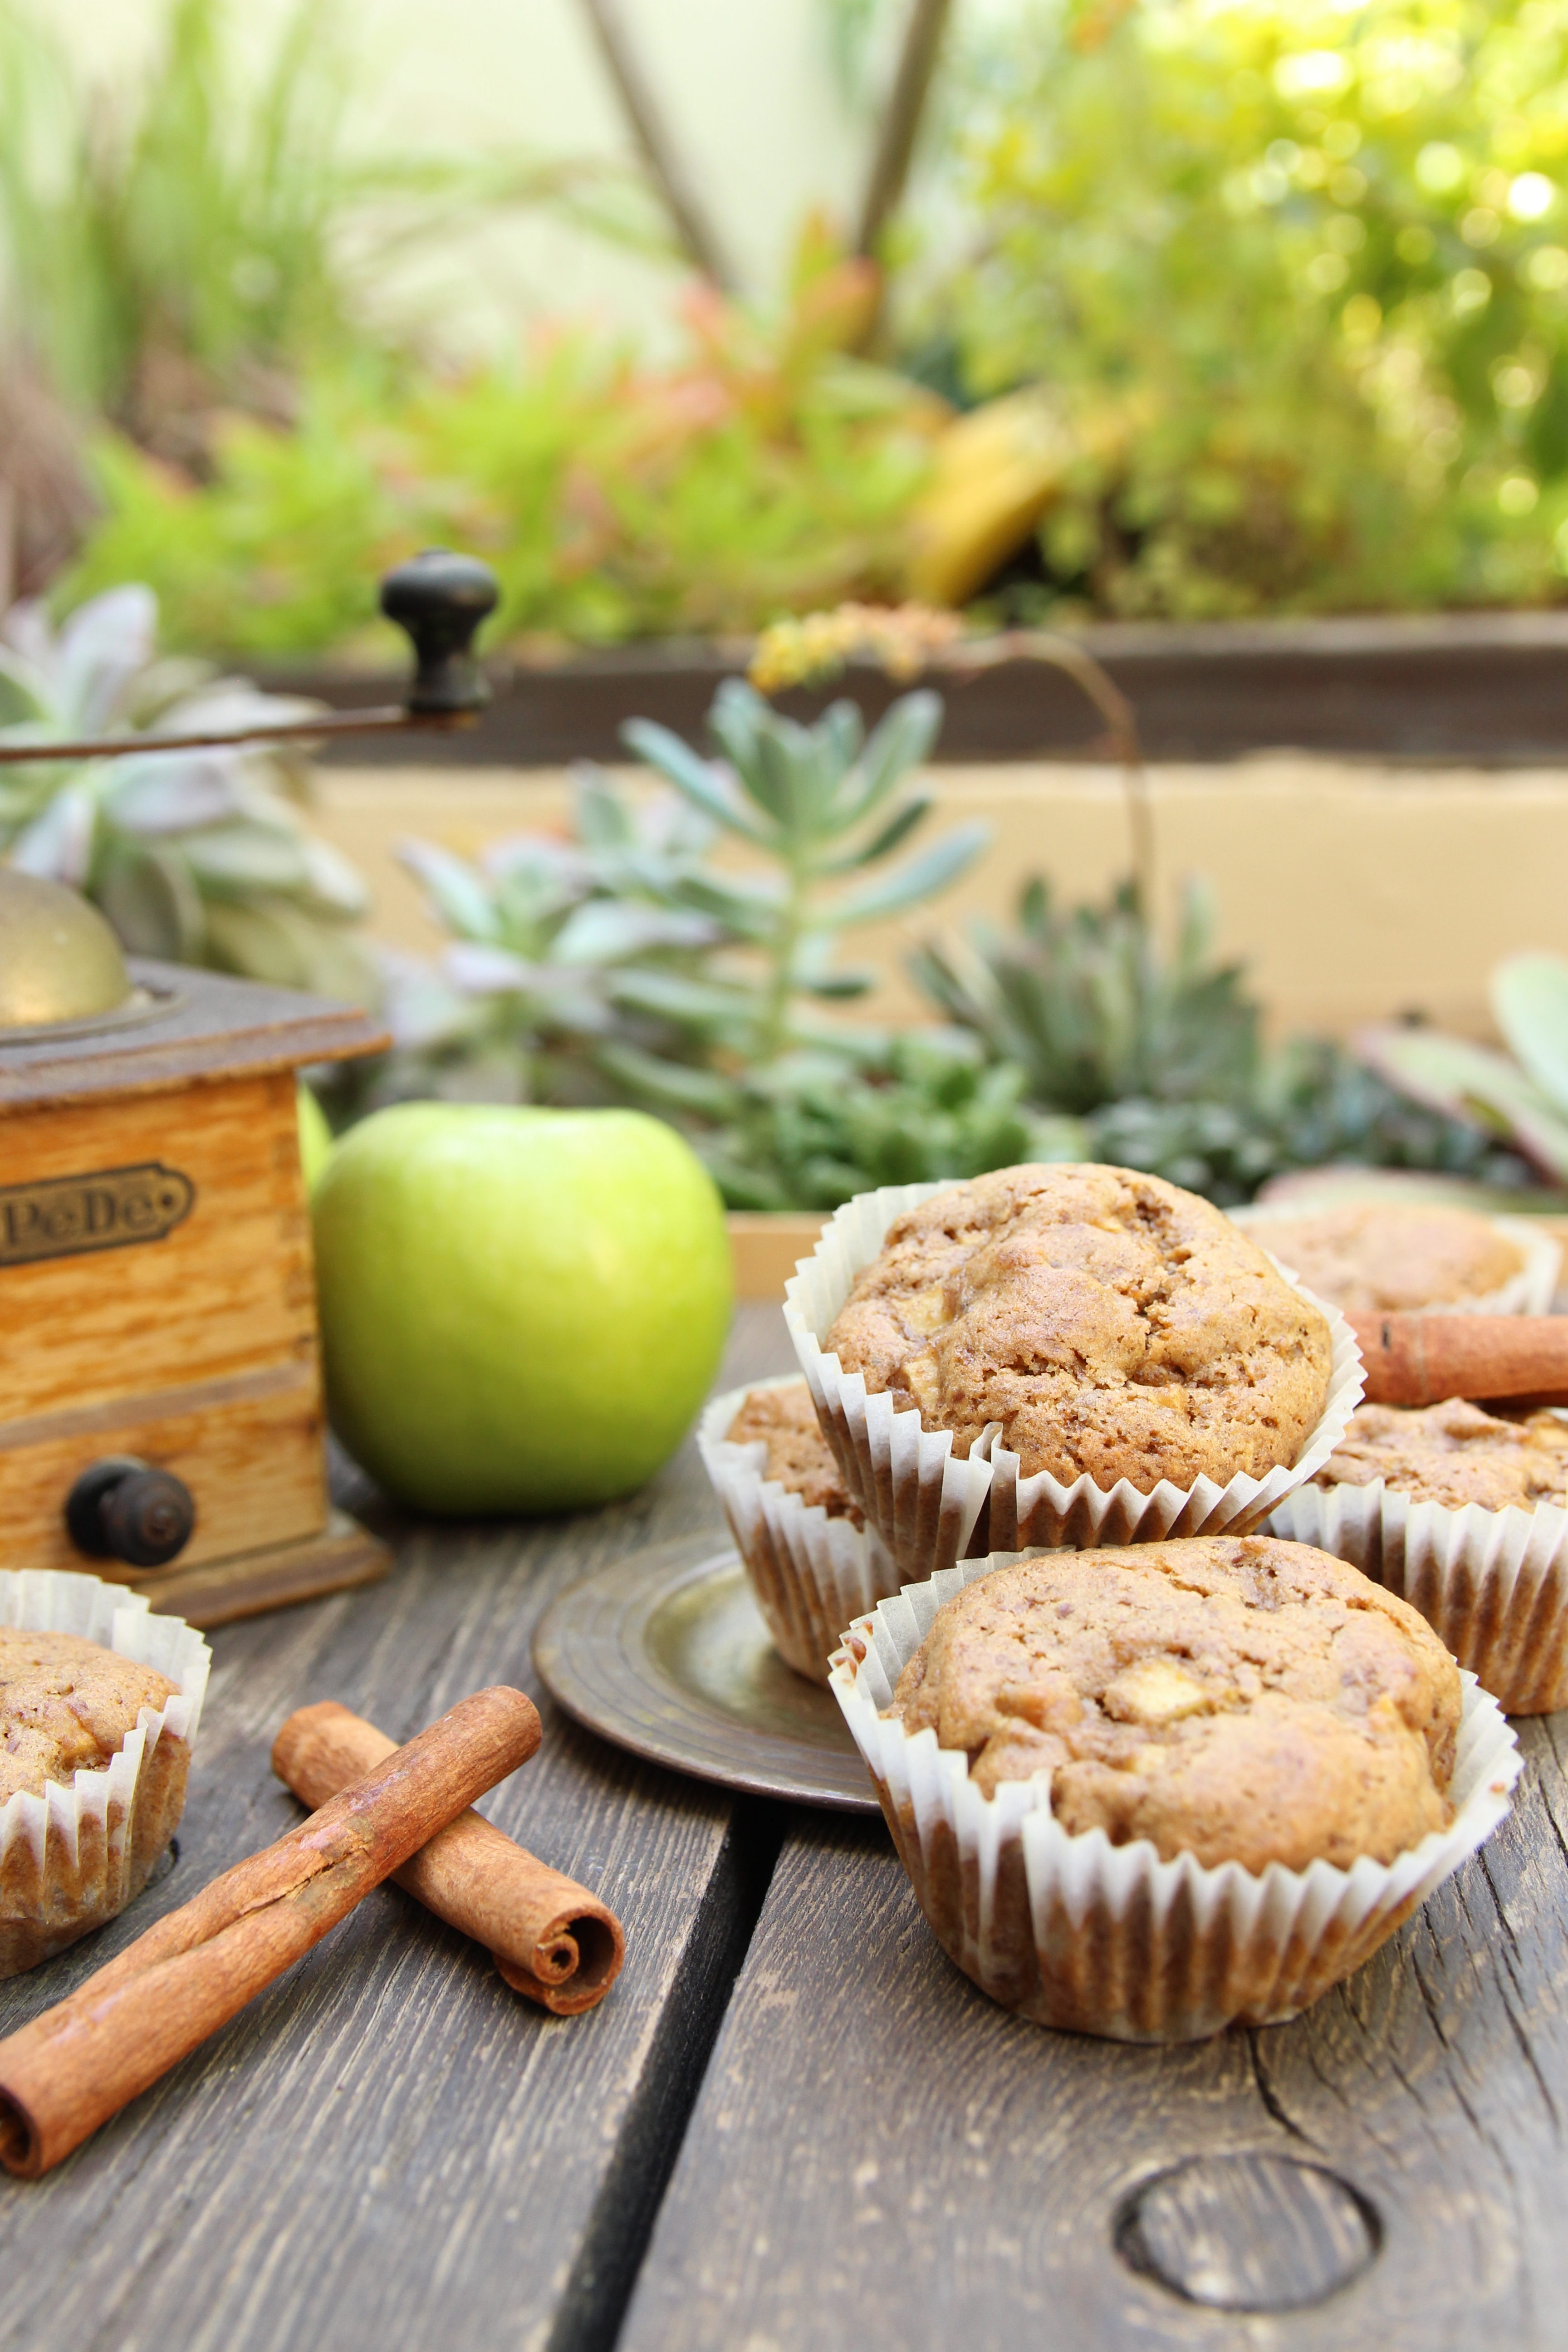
point(1082, 999)
point(199, 856)
point(1522, 1102)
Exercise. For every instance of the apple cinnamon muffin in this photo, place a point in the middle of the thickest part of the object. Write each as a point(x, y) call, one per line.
point(1108, 1323)
point(1373, 1257)
point(1238, 1698)
point(66, 1705)
point(799, 1458)
point(1454, 1453)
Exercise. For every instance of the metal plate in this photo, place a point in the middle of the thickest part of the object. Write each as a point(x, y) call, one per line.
point(666, 1654)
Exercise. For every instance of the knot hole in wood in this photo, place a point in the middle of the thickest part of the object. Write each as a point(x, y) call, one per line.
point(1248, 2233)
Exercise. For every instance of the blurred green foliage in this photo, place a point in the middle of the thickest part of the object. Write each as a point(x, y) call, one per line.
point(1310, 261)
point(762, 470)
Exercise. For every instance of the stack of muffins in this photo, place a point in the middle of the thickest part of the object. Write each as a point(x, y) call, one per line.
point(1462, 1511)
point(1149, 1771)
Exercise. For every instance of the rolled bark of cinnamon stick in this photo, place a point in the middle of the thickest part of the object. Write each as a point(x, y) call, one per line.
point(1416, 1359)
point(552, 1939)
point(85, 2059)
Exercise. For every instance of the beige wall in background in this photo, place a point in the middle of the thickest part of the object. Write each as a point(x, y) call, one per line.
point(746, 85)
point(1354, 891)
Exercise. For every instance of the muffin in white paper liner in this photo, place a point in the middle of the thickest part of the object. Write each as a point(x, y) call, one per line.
point(1492, 1585)
point(73, 1857)
point(810, 1572)
point(1072, 1931)
point(1531, 1291)
point(932, 1510)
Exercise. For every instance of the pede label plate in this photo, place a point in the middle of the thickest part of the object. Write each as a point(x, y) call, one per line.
point(112, 1208)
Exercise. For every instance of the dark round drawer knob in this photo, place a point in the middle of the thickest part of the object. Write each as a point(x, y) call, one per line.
point(122, 1508)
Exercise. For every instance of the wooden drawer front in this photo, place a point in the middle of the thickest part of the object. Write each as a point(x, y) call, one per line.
point(248, 1449)
point(229, 1289)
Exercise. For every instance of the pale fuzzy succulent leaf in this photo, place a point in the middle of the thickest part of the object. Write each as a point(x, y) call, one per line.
point(603, 819)
point(154, 906)
point(673, 1085)
point(1471, 1082)
point(919, 878)
point(702, 782)
point(902, 740)
point(163, 791)
point(477, 969)
point(699, 1003)
point(234, 860)
point(267, 938)
point(22, 693)
point(607, 931)
point(98, 654)
point(1530, 999)
point(886, 839)
point(334, 886)
point(456, 892)
point(59, 842)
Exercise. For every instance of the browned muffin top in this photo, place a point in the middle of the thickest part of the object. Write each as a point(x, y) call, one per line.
point(1387, 1257)
point(1111, 1322)
point(799, 1456)
point(66, 1703)
point(1234, 1697)
point(1454, 1453)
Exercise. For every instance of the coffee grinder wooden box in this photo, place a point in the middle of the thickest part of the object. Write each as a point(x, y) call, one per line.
point(161, 1413)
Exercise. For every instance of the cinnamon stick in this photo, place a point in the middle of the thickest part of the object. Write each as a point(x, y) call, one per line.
point(552, 1939)
point(1416, 1359)
point(85, 2059)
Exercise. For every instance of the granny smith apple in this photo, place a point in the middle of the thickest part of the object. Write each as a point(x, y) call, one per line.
point(521, 1311)
point(315, 1136)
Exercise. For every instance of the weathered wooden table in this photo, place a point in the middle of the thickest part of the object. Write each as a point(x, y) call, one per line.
point(792, 2127)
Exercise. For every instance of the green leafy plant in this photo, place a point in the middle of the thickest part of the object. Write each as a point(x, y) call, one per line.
point(1296, 280)
point(200, 857)
point(1154, 1061)
point(762, 470)
point(1522, 1102)
point(185, 247)
point(1083, 1001)
point(630, 963)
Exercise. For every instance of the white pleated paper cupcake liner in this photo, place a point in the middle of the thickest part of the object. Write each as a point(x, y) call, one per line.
point(810, 1573)
point(1492, 1585)
point(1531, 1291)
point(931, 1509)
point(1072, 1931)
point(73, 1857)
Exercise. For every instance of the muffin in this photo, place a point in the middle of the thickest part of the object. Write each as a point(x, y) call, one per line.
point(1465, 1514)
point(1236, 1698)
point(1454, 1453)
point(1106, 1341)
point(809, 1557)
point(798, 1457)
point(1381, 1257)
point(99, 1703)
point(1171, 1786)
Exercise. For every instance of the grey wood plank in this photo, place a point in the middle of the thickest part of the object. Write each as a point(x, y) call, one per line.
point(880, 2155)
point(389, 2147)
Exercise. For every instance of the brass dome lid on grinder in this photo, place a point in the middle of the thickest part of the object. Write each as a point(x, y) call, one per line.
point(61, 969)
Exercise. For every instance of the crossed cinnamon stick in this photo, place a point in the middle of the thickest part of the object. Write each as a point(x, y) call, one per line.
point(388, 1811)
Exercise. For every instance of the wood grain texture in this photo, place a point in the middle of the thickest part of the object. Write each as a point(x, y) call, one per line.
point(389, 2147)
point(228, 1290)
point(881, 2155)
point(196, 1352)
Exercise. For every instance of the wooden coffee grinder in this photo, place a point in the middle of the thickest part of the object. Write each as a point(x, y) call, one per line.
point(161, 1413)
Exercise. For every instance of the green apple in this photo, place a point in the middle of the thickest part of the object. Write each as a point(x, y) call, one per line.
point(315, 1136)
point(521, 1311)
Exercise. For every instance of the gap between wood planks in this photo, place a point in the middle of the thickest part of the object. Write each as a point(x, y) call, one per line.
point(599, 2288)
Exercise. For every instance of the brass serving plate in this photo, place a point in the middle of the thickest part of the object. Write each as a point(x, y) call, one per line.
point(666, 1655)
